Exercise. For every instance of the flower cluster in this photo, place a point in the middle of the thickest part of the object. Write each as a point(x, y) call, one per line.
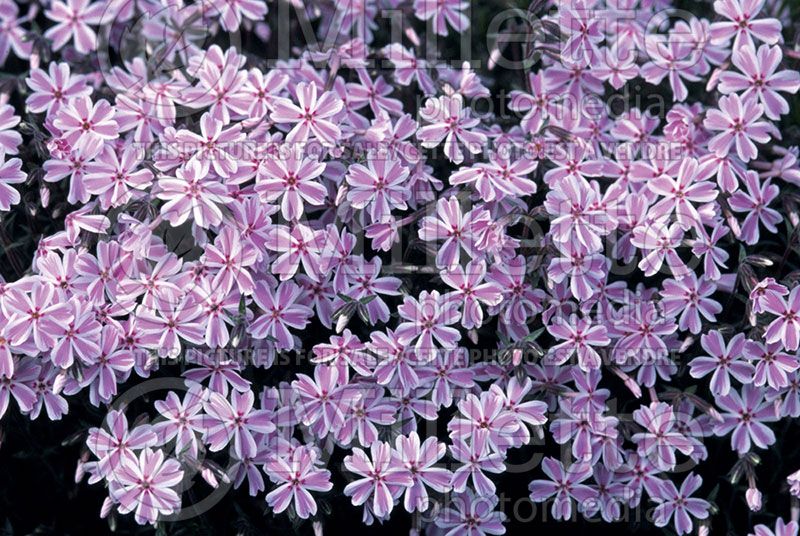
point(354, 213)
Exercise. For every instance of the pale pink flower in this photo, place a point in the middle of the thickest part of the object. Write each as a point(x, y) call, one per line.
point(213, 146)
point(759, 79)
point(471, 291)
point(312, 115)
point(193, 192)
point(111, 176)
point(579, 336)
point(281, 311)
point(10, 139)
point(442, 13)
point(296, 476)
point(458, 230)
point(380, 186)
point(52, 89)
point(428, 319)
point(772, 365)
point(785, 328)
point(742, 24)
point(37, 316)
point(756, 204)
point(689, 298)
point(383, 478)
point(10, 173)
point(724, 360)
point(87, 126)
point(292, 178)
point(738, 121)
point(679, 503)
point(231, 12)
point(564, 484)
point(73, 19)
point(420, 460)
point(235, 420)
point(679, 194)
point(449, 121)
point(745, 415)
point(145, 484)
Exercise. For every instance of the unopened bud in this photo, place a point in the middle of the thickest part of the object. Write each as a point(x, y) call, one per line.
point(753, 499)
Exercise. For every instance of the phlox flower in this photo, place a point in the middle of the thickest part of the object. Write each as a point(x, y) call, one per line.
point(485, 413)
point(235, 420)
point(233, 260)
point(111, 176)
point(214, 146)
point(675, 59)
point(499, 178)
point(724, 360)
point(457, 229)
point(584, 269)
point(182, 421)
point(772, 366)
point(296, 476)
point(380, 186)
point(79, 337)
point(643, 329)
point(232, 13)
point(661, 438)
point(472, 514)
point(742, 24)
point(367, 411)
point(14, 383)
point(281, 312)
point(36, 316)
point(195, 192)
point(745, 414)
point(448, 372)
point(145, 484)
point(85, 125)
point(680, 504)
point(781, 529)
point(166, 324)
point(564, 484)
point(116, 442)
point(755, 202)
point(471, 290)
point(576, 216)
point(689, 298)
point(383, 478)
point(759, 79)
point(10, 173)
point(367, 284)
point(293, 179)
point(428, 319)
point(786, 327)
point(420, 459)
point(10, 139)
point(658, 242)
point(451, 123)
point(442, 13)
point(312, 115)
point(296, 245)
point(679, 193)
point(476, 456)
point(767, 289)
point(739, 122)
point(579, 336)
point(51, 89)
point(323, 400)
point(73, 20)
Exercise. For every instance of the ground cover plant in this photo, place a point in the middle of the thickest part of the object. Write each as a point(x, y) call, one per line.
point(425, 266)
